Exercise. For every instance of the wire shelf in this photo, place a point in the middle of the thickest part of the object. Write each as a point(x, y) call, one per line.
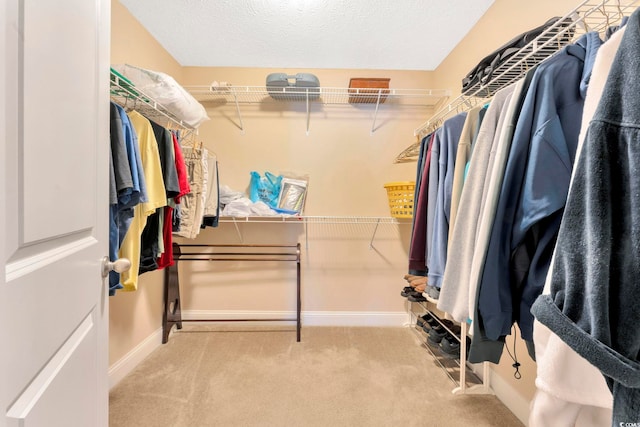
point(320, 95)
point(125, 94)
point(589, 16)
point(313, 219)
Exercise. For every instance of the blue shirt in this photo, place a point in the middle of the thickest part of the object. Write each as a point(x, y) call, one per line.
point(449, 136)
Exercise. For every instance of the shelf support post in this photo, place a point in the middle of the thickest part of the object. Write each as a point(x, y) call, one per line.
point(373, 236)
point(308, 112)
point(306, 235)
point(235, 97)
point(238, 230)
point(375, 114)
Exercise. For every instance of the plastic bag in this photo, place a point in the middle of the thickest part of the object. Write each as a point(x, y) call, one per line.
point(265, 189)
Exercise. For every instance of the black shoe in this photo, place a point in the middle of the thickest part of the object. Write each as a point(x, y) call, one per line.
point(436, 334)
point(451, 326)
point(406, 290)
point(427, 322)
point(450, 345)
point(420, 321)
point(416, 297)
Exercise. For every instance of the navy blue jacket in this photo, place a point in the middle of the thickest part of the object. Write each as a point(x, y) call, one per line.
point(534, 189)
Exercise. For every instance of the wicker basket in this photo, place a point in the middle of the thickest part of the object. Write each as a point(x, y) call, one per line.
point(401, 198)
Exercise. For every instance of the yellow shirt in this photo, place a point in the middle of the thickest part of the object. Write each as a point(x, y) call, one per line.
point(156, 197)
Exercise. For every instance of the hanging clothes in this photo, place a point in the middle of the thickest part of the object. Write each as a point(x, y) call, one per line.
point(150, 159)
point(446, 144)
point(455, 292)
point(192, 204)
point(469, 130)
point(569, 388)
point(212, 204)
point(594, 292)
point(166, 257)
point(152, 240)
point(418, 245)
point(128, 183)
point(534, 190)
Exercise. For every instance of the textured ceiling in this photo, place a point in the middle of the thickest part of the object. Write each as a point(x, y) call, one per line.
point(364, 34)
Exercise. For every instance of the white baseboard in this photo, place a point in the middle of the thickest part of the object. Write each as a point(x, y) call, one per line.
point(355, 318)
point(511, 398)
point(128, 363)
point(309, 318)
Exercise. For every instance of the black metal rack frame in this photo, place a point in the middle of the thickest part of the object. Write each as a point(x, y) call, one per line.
point(172, 314)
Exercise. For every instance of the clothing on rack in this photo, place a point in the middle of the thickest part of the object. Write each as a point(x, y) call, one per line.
point(192, 204)
point(592, 304)
point(455, 292)
point(131, 246)
point(519, 200)
point(482, 73)
point(418, 245)
point(446, 144)
point(152, 244)
point(166, 257)
point(568, 386)
point(534, 189)
point(212, 203)
point(469, 130)
point(126, 164)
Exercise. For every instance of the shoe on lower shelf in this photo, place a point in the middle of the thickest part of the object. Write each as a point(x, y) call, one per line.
point(416, 297)
point(433, 292)
point(427, 322)
point(450, 345)
point(436, 334)
point(406, 290)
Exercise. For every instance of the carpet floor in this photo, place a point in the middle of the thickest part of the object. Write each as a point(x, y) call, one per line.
point(205, 377)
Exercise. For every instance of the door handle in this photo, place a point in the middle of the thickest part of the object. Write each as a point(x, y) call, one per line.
point(119, 266)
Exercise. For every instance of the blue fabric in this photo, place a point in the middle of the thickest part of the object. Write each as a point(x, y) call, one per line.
point(121, 214)
point(449, 138)
point(594, 291)
point(534, 189)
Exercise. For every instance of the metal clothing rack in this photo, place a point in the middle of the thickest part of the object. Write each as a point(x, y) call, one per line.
point(589, 15)
point(172, 314)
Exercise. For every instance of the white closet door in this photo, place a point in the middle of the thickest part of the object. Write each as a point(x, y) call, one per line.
point(54, 207)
